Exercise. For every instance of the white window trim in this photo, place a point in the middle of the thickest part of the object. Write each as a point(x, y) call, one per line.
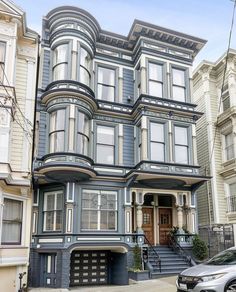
point(24, 217)
point(99, 193)
point(45, 210)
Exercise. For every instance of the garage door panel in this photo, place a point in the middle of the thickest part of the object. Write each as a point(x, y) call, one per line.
point(88, 268)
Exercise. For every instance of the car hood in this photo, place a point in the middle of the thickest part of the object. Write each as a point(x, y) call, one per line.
point(204, 270)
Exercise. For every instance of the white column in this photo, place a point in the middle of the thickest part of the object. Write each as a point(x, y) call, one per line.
point(171, 146)
point(120, 86)
point(120, 145)
point(144, 137)
point(143, 73)
point(194, 141)
point(71, 128)
point(139, 215)
point(180, 217)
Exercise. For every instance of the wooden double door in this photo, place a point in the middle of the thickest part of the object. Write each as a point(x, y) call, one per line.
point(165, 224)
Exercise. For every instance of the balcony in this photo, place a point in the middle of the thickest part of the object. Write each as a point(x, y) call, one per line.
point(72, 90)
point(63, 166)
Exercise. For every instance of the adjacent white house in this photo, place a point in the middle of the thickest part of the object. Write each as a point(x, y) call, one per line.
point(18, 63)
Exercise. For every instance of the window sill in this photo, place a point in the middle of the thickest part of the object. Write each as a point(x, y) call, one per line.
point(12, 246)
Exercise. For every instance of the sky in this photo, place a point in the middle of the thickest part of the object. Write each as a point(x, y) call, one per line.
point(207, 19)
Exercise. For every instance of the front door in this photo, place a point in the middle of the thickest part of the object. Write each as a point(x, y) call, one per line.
point(165, 224)
point(148, 224)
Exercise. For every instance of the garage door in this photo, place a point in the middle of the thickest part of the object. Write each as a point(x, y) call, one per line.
point(89, 268)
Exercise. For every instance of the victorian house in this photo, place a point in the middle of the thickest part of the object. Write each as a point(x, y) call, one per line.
point(115, 153)
point(216, 140)
point(18, 64)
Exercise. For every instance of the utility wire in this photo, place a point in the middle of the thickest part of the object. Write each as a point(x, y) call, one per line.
point(224, 75)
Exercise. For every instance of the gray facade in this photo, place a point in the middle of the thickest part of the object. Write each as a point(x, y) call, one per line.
point(116, 147)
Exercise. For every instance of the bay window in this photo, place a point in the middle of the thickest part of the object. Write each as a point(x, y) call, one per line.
point(181, 147)
point(2, 59)
point(157, 137)
point(84, 68)
point(99, 210)
point(60, 62)
point(52, 211)
point(106, 84)
point(12, 221)
point(179, 84)
point(105, 144)
point(229, 146)
point(82, 133)
point(155, 79)
point(57, 131)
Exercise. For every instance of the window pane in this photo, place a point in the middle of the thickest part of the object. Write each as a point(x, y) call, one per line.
point(155, 89)
point(84, 76)
point(108, 220)
point(60, 72)
point(49, 219)
point(106, 76)
point(85, 59)
point(105, 154)
point(181, 154)
point(50, 198)
point(155, 72)
point(59, 201)
point(58, 220)
point(60, 120)
point(157, 132)
point(82, 144)
point(2, 59)
point(57, 142)
point(232, 189)
point(60, 54)
point(90, 200)
point(108, 201)
point(89, 219)
point(12, 210)
point(181, 135)
point(157, 152)
point(179, 93)
point(229, 139)
point(106, 92)
point(178, 77)
point(11, 232)
point(105, 135)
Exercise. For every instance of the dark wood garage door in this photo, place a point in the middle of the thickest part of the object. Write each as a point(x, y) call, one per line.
point(89, 268)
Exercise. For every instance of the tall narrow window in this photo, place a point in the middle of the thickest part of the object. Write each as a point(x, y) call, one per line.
point(2, 60)
point(181, 145)
point(105, 144)
point(82, 133)
point(99, 210)
point(60, 62)
point(138, 80)
point(106, 84)
point(157, 136)
point(229, 146)
point(139, 142)
point(52, 211)
point(4, 134)
point(179, 84)
point(12, 221)
point(232, 198)
point(155, 82)
point(57, 131)
point(85, 63)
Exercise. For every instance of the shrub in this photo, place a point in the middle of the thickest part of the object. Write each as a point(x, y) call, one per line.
point(200, 250)
point(137, 258)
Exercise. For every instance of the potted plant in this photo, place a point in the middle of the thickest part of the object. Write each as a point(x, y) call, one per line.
point(137, 272)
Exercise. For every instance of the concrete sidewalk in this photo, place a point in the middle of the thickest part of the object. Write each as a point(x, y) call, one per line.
point(162, 285)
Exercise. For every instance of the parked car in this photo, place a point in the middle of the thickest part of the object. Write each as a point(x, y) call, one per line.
point(216, 275)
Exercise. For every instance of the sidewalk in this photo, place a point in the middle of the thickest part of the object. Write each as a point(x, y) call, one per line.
point(162, 285)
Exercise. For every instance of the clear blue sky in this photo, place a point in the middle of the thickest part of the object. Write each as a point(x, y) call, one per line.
point(207, 19)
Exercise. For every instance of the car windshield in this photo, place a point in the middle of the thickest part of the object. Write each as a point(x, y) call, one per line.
point(227, 257)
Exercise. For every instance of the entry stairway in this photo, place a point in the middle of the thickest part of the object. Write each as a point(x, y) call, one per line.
point(171, 262)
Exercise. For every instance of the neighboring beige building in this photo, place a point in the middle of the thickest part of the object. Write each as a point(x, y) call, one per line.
point(18, 64)
point(217, 199)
